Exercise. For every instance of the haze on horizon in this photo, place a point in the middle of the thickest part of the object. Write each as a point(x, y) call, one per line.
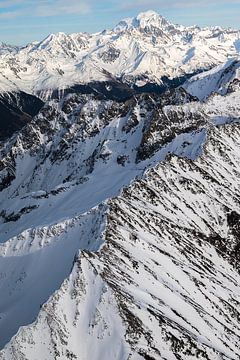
point(23, 21)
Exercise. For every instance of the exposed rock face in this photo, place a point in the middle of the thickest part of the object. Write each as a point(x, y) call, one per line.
point(165, 283)
point(120, 224)
point(76, 132)
point(17, 109)
point(163, 127)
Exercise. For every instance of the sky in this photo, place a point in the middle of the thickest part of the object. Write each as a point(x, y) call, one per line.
point(24, 21)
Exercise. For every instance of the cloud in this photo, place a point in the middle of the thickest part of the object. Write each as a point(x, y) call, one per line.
point(12, 4)
point(56, 8)
point(173, 4)
point(9, 14)
point(7, 4)
point(62, 7)
point(42, 8)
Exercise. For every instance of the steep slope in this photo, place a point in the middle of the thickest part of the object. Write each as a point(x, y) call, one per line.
point(16, 109)
point(74, 155)
point(83, 144)
point(222, 79)
point(153, 268)
point(138, 51)
point(165, 283)
point(35, 262)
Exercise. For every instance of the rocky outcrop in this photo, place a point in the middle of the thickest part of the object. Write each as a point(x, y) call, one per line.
point(165, 283)
point(17, 109)
point(120, 229)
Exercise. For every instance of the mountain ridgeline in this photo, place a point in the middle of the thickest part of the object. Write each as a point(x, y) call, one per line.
point(119, 194)
point(139, 52)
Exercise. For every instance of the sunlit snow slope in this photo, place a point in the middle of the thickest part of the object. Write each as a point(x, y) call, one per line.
point(157, 277)
point(120, 210)
point(138, 51)
point(148, 272)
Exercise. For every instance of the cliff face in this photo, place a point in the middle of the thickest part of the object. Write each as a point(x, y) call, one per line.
point(16, 109)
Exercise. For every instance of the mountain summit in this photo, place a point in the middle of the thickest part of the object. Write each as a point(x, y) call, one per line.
point(145, 20)
point(146, 49)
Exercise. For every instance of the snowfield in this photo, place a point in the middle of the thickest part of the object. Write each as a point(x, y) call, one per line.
point(137, 51)
point(120, 218)
point(157, 273)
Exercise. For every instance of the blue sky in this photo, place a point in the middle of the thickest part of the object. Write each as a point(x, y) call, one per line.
point(22, 21)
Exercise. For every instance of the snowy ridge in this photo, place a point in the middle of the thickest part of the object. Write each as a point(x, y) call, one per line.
point(178, 230)
point(8, 49)
point(221, 79)
point(84, 146)
point(137, 51)
point(76, 145)
point(26, 262)
point(89, 270)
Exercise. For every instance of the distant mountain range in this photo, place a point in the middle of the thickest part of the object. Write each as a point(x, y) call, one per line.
point(139, 51)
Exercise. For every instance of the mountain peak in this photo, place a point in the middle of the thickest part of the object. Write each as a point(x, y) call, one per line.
point(50, 40)
point(149, 14)
point(143, 20)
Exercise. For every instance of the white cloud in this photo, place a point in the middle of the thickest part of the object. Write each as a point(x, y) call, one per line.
point(18, 8)
point(9, 14)
point(8, 4)
point(62, 7)
point(177, 4)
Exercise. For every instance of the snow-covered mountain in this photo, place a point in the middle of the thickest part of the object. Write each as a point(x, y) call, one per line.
point(222, 79)
point(164, 285)
point(8, 49)
point(138, 51)
point(120, 227)
point(119, 199)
